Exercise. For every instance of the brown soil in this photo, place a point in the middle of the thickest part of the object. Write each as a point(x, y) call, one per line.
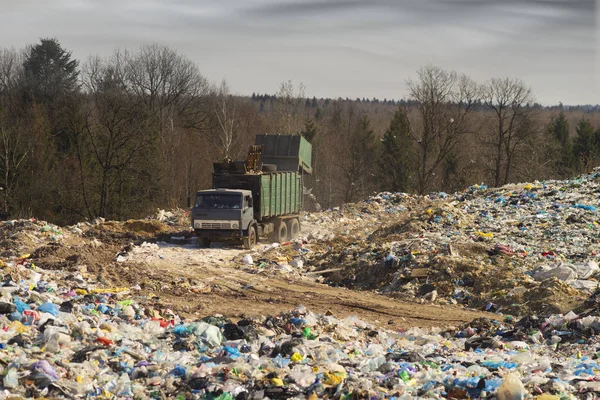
point(200, 282)
point(222, 286)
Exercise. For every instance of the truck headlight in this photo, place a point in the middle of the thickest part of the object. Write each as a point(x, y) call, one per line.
point(235, 225)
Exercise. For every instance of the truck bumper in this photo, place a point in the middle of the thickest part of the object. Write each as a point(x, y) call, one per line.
point(219, 233)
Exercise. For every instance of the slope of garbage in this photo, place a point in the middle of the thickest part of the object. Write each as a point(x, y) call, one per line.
point(371, 301)
point(97, 342)
point(519, 249)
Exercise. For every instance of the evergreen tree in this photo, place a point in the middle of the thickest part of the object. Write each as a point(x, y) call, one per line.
point(50, 79)
point(396, 161)
point(560, 128)
point(310, 129)
point(585, 147)
point(453, 180)
point(318, 114)
point(558, 132)
point(49, 71)
point(359, 165)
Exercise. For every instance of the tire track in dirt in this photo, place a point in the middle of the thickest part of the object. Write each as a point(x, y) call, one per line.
point(236, 292)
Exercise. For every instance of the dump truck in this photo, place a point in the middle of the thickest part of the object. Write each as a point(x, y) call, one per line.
point(260, 197)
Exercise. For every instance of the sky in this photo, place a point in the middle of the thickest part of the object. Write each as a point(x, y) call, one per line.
point(336, 48)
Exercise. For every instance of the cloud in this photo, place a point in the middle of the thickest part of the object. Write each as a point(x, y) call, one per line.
point(337, 47)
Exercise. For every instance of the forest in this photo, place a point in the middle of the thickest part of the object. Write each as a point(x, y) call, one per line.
point(120, 136)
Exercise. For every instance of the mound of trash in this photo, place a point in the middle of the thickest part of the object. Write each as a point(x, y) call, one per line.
point(22, 236)
point(81, 340)
point(76, 322)
point(75, 339)
point(519, 249)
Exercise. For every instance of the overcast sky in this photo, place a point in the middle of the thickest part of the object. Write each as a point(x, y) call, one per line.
point(337, 48)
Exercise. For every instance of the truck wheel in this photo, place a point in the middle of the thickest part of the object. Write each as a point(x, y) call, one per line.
point(282, 232)
point(250, 240)
point(205, 242)
point(294, 228)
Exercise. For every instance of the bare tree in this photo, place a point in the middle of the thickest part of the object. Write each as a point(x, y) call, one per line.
point(445, 100)
point(11, 70)
point(225, 112)
point(116, 128)
point(13, 151)
point(289, 108)
point(168, 83)
point(510, 102)
point(13, 147)
point(176, 95)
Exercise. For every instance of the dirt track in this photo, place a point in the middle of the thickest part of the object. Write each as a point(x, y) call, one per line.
point(200, 282)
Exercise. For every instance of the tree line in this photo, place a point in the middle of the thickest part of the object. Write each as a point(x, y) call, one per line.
point(120, 136)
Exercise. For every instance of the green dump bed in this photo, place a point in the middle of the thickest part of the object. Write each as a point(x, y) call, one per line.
point(275, 193)
point(287, 152)
point(281, 193)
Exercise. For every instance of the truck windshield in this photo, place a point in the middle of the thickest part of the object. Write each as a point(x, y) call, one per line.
point(217, 200)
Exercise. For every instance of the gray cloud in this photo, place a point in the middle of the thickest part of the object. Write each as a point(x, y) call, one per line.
point(350, 48)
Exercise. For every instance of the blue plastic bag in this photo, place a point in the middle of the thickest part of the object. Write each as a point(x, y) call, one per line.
point(21, 306)
point(49, 308)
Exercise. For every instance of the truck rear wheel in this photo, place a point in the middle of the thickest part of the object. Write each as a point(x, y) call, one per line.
point(294, 228)
point(281, 232)
point(250, 240)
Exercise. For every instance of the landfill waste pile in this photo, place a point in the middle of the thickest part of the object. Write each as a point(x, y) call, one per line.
point(21, 236)
point(135, 309)
point(87, 341)
point(519, 249)
point(62, 340)
point(176, 217)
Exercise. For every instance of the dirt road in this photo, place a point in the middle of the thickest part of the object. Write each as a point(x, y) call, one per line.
point(200, 282)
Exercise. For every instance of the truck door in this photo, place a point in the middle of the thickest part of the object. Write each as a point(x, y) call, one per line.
point(248, 212)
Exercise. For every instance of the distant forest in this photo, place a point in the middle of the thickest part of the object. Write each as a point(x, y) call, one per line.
point(120, 136)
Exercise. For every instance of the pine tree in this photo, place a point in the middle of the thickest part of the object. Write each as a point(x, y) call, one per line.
point(51, 79)
point(49, 71)
point(396, 160)
point(318, 114)
point(310, 129)
point(558, 131)
point(359, 169)
point(585, 148)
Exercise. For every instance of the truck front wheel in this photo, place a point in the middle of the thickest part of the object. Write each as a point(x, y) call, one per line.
point(205, 242)
point(250, 240)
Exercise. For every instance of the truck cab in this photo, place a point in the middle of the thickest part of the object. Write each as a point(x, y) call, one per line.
point(222, 213)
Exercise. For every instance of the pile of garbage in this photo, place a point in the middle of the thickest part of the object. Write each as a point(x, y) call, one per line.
point(75, 339)
point(22, 236)
point(175, 217)
point(524, 248)
point(528, 251)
